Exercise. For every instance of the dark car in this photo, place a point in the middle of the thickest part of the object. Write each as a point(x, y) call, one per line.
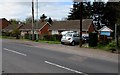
point(85, 39)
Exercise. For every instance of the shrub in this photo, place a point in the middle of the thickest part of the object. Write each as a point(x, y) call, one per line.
point(52, 37)
point(6, 33)
point(16, 33)
point(26, 36)
point(112, 45)
point(119, 42)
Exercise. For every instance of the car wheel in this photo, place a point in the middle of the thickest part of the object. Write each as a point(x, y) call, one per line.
point(62, 43)
point(72, 43)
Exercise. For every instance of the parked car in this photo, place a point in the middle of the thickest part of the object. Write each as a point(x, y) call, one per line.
point(85, 39)
point(72, 38)
point(64, 32)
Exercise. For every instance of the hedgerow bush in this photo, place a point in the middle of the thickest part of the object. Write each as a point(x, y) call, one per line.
point(112, 45)
point(52, 37)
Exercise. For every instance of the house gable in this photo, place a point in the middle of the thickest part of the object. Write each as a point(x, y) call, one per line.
point(4, 23)
point(44, 29)
point(105, 28)
point(91, 28)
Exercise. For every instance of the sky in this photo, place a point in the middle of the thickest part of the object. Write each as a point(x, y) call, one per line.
point(21, 9)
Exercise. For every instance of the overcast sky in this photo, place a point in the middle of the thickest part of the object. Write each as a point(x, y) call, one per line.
point(21, 9)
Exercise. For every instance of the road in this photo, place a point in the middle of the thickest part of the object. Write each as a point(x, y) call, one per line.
point(21, 58)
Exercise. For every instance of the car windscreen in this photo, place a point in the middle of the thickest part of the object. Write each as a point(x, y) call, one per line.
point(68, 34)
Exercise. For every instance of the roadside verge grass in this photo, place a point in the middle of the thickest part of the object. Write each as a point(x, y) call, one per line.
point(50, 42)
point(6, 37)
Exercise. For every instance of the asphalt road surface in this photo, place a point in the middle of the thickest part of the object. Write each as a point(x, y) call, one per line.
point(20, 58)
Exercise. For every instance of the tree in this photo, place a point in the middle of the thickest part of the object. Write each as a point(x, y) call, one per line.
point(112, 13)
point(50, 20)
point(16, 33)
point(29, 20)
point(14, 21)
point(102, 13)
point(98, 12)
point(75, 11)
point(43, 16)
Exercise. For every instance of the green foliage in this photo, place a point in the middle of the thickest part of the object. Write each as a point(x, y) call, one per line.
point(14, 21)
point(113, 9)
point(6, 33)
point(50, 42)
point(43, 16)
point(16, 33)
point(26, 36)
point(29, 20)
point(119, 43)
point(75, 11)
point(107, 13)
point(50, 20)
point(111, 45)
point(52, 37)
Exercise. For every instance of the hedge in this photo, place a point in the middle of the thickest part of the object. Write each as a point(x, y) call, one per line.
point(52, 37)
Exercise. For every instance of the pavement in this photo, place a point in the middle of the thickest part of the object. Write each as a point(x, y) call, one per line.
point(32, 57)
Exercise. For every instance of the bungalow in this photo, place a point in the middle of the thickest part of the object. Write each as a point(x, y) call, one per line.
point(41, 28)
point(11, 27)
point(72, 25)
point(3, 23)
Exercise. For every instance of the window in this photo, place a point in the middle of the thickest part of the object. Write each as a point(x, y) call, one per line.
point(76, 35)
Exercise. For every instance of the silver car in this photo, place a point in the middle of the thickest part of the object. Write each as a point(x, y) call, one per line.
point(72, 38)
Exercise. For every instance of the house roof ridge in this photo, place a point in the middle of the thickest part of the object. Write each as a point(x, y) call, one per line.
point(71, 20)
point(106, 28)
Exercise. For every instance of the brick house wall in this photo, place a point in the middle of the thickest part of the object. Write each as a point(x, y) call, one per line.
point(4, 23)
point(91, 28)
point(44, 30)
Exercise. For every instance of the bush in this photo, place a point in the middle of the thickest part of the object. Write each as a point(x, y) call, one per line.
point(16, 33)
point(52, 37)
point(112, 45)
point(26, 36)
point(119, 43)
point(6, 33)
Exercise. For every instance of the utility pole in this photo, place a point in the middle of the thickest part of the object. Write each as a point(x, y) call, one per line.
point(37, 19)
point(116, 36)
point(33, 20)
point(81, 6)
point(115, 33)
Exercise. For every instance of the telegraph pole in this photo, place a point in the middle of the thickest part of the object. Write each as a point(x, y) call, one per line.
point(37, 20)
point(81, 6)
point(33, 20)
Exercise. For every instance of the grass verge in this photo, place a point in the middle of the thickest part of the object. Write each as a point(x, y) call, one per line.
point(50, 42)
point(6, 37)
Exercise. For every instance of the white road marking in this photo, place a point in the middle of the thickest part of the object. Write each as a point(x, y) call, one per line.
point(64, 67)
point(15, 52)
